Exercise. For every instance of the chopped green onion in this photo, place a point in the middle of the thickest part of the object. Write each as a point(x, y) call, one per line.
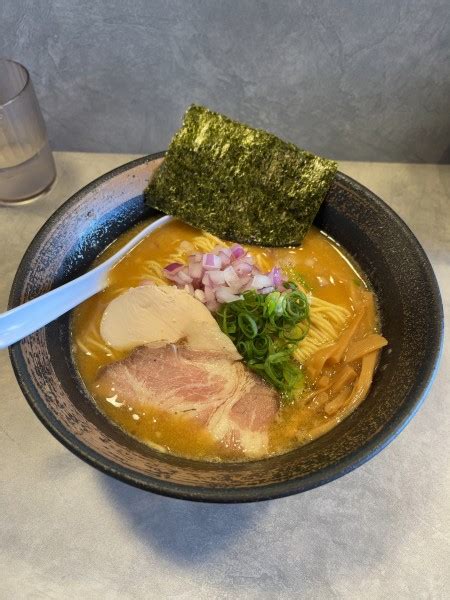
point(247, 325)
point(266, 329)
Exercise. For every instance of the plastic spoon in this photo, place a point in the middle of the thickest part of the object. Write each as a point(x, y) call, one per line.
point(17, 323)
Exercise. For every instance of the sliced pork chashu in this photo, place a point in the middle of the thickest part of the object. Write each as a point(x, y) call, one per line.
point(234, 405)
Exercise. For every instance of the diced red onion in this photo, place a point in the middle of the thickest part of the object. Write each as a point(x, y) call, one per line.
point(224, 294)
point(211, 261)
point(225, 258)
point(276, 276)
point(209, 293)
point(242, 268)
point(231, 277)
point(247, 259)
point(245, 281)
point(213, 305)
point(195, 270)
point(248, 286)
point(237, 251)
point(222, 276)
point(217, 277)
point(261, 281)
point(173, 268)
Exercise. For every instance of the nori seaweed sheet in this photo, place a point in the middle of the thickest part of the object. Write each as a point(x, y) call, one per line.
point(239, 183)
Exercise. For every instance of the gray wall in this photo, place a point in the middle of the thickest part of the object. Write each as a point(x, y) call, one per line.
point(352, 79)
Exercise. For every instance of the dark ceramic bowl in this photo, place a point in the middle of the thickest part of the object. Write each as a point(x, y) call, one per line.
point(411, 314)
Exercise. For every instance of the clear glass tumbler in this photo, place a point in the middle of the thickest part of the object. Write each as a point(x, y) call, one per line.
point(27, 167)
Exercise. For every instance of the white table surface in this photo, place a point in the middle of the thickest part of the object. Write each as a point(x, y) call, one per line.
point(383, 531)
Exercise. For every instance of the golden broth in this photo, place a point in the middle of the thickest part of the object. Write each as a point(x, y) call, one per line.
point(325, 269)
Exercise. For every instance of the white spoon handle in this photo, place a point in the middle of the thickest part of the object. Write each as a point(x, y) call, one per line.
point(19, 322)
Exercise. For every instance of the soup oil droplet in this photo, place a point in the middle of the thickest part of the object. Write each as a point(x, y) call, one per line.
point(113, 400)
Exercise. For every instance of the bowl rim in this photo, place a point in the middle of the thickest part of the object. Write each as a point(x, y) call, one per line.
point(353, 460)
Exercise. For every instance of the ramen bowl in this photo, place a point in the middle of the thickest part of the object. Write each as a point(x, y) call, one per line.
point(378, 240)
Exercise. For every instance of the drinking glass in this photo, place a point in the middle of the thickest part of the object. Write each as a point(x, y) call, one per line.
point(27, 167)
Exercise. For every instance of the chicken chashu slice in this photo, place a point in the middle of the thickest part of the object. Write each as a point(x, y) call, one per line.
point(158, 315)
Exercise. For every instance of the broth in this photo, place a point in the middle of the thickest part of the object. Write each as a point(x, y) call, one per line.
point(327, 272)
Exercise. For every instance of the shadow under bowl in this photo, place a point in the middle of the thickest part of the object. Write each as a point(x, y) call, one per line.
point(379, 241)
